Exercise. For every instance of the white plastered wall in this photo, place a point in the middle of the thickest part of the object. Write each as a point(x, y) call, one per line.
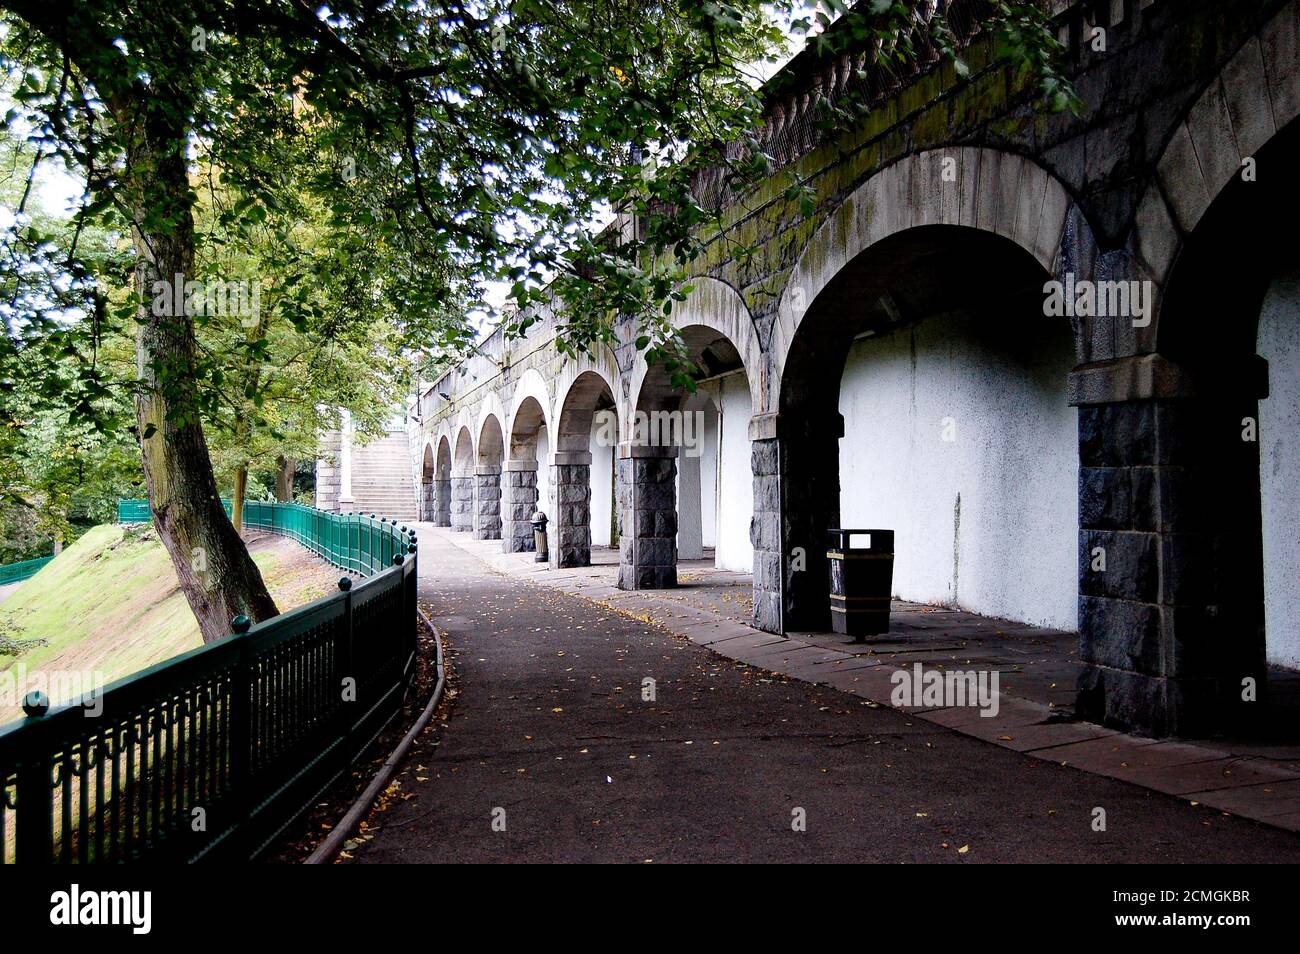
point(1279, 469)
point(988, 519)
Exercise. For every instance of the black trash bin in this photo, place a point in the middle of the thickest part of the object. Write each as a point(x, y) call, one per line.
point(862, 577)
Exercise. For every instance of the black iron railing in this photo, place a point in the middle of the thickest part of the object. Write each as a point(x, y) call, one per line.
point(213, 753)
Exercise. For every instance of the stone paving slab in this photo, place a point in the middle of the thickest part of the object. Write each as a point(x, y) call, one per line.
point(1263, 790)
point(1262, 802)
point(1012, 714)
point(1190, 778)
point(1042, 739)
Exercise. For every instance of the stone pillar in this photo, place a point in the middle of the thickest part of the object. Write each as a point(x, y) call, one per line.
point(487, 502)
point(462, 502)
point(571, 528)
point(520, 486)
point(428, 503)
point(1170, 557)
point(765, 531)
point(442, 502)
point(647, 508)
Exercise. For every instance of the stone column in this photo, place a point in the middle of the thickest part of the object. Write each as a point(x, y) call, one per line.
point(647, 508)
point(442, 502)
point(462, 502)
point(487, 502)
point(1170, 558)
point(571, 530)
point(765, 528)
point(520, 486)
point(428, 503)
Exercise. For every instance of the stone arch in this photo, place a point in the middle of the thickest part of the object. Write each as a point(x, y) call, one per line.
point(603, 364)
point(983, 205)
point(490, 407)
point(1224, 373)
point(462, 480)
point(487, 475)
point(490, 444)
point(713, 304)
point(441, 515)
point(529, 417)
point(583, 471)
point(1255, 96)
point(463, 453)
point(526, 478)
point(984, 189)
point(531, 384)
point(578, 403)
point(443, 459)
point(656, 470)
point(428, 493)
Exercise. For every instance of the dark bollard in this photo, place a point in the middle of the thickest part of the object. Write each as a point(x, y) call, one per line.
point(539, 538)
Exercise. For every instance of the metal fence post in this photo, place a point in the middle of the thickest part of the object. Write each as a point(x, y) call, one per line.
point(34, 829)
point(347, 669)
point(241, 728)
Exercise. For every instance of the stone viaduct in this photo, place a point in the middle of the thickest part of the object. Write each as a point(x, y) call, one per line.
point(897, 359)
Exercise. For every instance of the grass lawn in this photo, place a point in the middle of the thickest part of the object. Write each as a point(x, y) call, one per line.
point(110, 604)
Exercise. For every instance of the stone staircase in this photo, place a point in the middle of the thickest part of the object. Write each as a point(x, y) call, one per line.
point(381, 478)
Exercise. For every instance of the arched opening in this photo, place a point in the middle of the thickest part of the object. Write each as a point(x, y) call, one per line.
point(428, 503)
point(1230, 510)
point(462, 483)
point(442, 484)
point(925, 392)
point(487, 480)
point(689, 468)
point(586, 443)
point(524, 477)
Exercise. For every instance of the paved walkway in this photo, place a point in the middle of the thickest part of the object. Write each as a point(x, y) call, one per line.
point(550, 733)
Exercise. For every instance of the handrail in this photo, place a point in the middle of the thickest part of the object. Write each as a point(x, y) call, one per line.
point(22, 570)
point(136, 510)
point(213, 753)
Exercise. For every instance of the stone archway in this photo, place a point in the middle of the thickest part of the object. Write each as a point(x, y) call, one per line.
point(442, 483)
point(428, 503)
point(1168, 649)
point(527, 426)
point(1255, 96)
point(586, 443)
point(719, 337)
point(1000, 216)
point(462, 482)
point(487, 479)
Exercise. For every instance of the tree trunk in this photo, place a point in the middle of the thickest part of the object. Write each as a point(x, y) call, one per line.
point(219, 578)
point(237, 499)
point(284, 478)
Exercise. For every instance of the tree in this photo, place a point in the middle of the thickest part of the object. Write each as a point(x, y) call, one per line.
point(65, 453)
point(442, 142)
point(290, 345)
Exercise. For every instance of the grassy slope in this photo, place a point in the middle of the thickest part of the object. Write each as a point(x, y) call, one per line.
point(110, 603)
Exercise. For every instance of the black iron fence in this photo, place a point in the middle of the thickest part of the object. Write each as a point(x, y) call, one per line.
point(213, 753)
